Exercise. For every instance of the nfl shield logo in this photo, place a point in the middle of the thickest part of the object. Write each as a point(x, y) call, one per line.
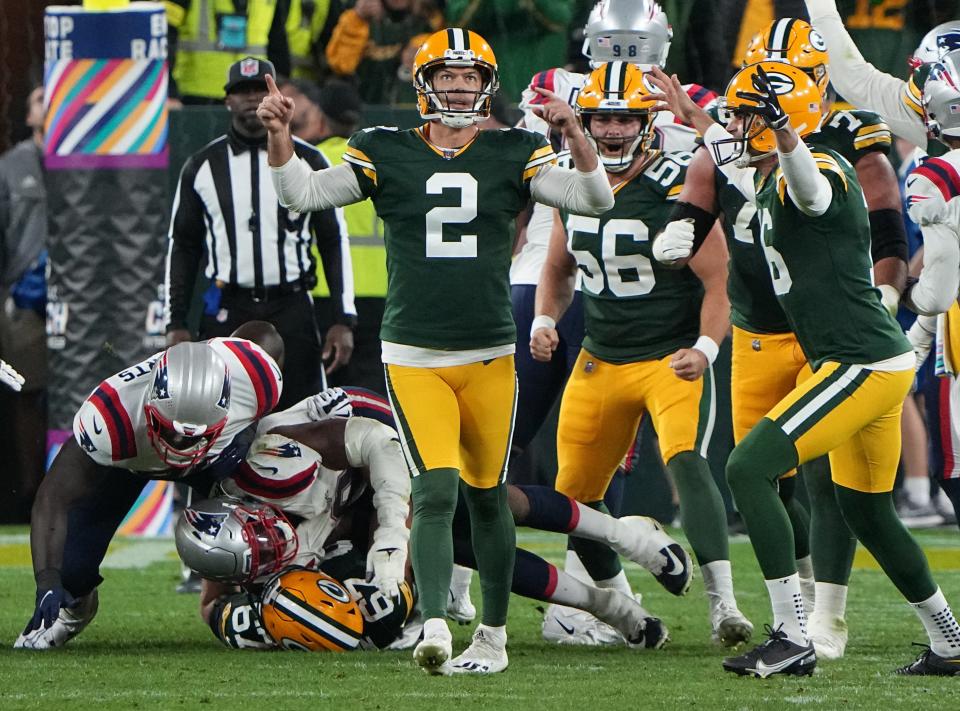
point(249, 67)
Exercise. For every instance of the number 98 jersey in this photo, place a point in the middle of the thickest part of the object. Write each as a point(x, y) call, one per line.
point(449, 232)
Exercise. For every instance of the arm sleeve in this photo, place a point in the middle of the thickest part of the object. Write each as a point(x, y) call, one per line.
point(347, 43)
point(939, 279)
point(572, 190)
point(185, 248)
point(859, 82)
point(375, 446)
point(807, 186)
point(303, 190)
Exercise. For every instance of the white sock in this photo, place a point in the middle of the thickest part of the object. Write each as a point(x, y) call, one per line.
point(572, 592)
point(787, 603)
point(917, 488)
point(807, 586)
point(574, 566)
point(618, 582)
point(594, 525)
point(718, 580)
point(436, 627)
point(460, 580)
point(496, 635)
point(831, 600)
point(805, 567)
point(940, 624)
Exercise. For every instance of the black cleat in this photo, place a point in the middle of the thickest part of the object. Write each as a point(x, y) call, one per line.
point(778, 655)
point(929, 663)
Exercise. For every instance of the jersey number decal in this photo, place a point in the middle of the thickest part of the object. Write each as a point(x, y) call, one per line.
point(625, 274)
point(778, 268)
point(845, 117)
point(466, 246)
point(741, 226)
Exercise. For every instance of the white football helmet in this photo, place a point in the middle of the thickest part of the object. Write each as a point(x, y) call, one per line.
point(635, 31)
point(941, 96)
point(937, 42)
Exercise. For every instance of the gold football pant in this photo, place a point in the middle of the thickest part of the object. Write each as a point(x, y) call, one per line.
point(601, 409)
point(458, 417)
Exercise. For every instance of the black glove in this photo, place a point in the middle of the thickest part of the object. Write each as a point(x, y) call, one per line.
point(51, 596)
point(767, 105)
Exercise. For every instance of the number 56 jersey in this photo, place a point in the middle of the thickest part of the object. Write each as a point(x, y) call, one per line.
point(449, 230)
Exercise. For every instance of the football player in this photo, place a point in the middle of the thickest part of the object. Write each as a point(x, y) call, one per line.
point(767, 361)
point(652, 334)
point(635, 31)
point(448, 193)
point(814, 236)
point(182, 415)
point(10, 377)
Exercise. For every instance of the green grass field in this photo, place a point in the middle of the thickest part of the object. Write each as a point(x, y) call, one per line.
point(147, 649)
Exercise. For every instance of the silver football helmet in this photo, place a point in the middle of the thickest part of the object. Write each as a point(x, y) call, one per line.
point(235, 541)
point(936, 43)
point(635, 31)
point(187, 404)
point(941, 96)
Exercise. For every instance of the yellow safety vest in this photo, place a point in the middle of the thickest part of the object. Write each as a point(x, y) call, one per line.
point(365, 229)
point(202, 61)
point(305, 22)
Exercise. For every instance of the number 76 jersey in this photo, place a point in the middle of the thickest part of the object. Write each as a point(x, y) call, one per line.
point(449, 230)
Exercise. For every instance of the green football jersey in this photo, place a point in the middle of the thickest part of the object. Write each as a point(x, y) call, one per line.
point(820, 268)
point(449, 230)
point(852, 134)
point(634, 308)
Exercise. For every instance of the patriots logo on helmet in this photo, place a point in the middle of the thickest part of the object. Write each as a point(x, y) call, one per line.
point(286, 451)
point(161, 382)
point(206, 523)
point(85, 440)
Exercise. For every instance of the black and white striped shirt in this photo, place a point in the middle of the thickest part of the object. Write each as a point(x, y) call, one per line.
point(226, 208)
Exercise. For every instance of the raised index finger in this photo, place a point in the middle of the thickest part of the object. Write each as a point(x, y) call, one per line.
point(272, 86)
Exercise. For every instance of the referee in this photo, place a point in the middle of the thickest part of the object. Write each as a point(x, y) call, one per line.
point(257, 253)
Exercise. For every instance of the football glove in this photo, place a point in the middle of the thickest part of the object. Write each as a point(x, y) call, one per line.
point(72, 618)
point(332, 402)
point(767, 104)
point(387, 560)
point(675, 242)
point(10, 377)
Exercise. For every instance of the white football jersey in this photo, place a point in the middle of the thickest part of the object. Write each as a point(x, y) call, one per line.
point(671, 136)
point(933, 192)
point(111, 426)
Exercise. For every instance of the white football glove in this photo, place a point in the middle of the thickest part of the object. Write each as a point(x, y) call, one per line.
point(69, 623)
point(387, 560)
point(10, 377)
point(889, 298)
point(675, 242)
point(332, 402)
point(921, 336)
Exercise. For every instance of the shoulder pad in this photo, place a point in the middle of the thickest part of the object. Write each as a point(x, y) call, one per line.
point(277, 467)
point(942, 173)
point(92, 434)
point(245, 359)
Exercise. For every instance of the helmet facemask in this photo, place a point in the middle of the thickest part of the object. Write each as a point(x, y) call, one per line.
point(435, 104)
point(737, 150)
point(272, 540)
point(629, 145)
point(180, 445)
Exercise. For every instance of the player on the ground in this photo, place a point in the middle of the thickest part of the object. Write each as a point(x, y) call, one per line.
point(652, 334)
point(182, 415)
point(815, 237)
point(448, 193)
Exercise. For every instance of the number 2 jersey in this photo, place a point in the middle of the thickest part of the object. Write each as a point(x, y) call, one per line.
point(449, 231)
point(111, 426)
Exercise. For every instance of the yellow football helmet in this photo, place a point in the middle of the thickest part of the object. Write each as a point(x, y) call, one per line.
point(454, 47)
point(795, 42)
point(618, 88)
point(798, 96)
point(307, 610)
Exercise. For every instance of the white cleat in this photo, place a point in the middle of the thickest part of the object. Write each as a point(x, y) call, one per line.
point(487, 654)
point(828, 634)
point(568, 625)
point(638, 627)
point(460, 607)
point(730, 626)
point(411, 633)
point(433, 652)
point(643, 541)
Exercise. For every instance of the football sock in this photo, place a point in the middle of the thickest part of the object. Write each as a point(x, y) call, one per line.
point(787, 605)
point(533, 577)
point(917, 489)
point(434, 496)
point(831, 601)
point(832, 545)
point(718, 581)
point(571, 592)
point(574, 566)
point(799, 517)
point(874, 521)
point(807, 585)
point(618, 582)
point(494, 544)
point(940, 624)
point(702, 513)
point(753, 468)
point(549, 510)
point(805, 567)
point(460, 580)
point(951, 487)
point(615, 491)
point(601, 561)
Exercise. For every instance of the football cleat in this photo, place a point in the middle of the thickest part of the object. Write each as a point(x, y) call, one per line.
point(828, 635)
point(778, 655)
point(487, 654)
point(568, 625)
point(929, 663)
point(433, 652)
point(411, 634)
point(69, 623)
point(639, 628)
point(730, 626)
point(644, 541)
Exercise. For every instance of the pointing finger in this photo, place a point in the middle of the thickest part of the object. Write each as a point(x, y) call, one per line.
point(272, 86)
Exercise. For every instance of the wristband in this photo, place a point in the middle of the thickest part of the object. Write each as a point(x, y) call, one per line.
point(708, 347)
point(48, 578)
point(542, 321)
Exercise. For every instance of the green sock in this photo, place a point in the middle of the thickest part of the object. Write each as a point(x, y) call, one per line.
point(431, 537)
point(600, 560)
point(832, 545)
point(754, 467)
point(875, 522)
point(702, 513)
point(799, 517)
point(494, 545)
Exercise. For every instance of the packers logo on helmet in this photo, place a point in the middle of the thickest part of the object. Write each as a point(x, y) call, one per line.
point(307, 610)
point(794, 42)
point(454, 47)
point(617, 89)
point(798, 96)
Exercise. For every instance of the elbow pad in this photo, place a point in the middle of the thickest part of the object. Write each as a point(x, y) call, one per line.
point(888, 235)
